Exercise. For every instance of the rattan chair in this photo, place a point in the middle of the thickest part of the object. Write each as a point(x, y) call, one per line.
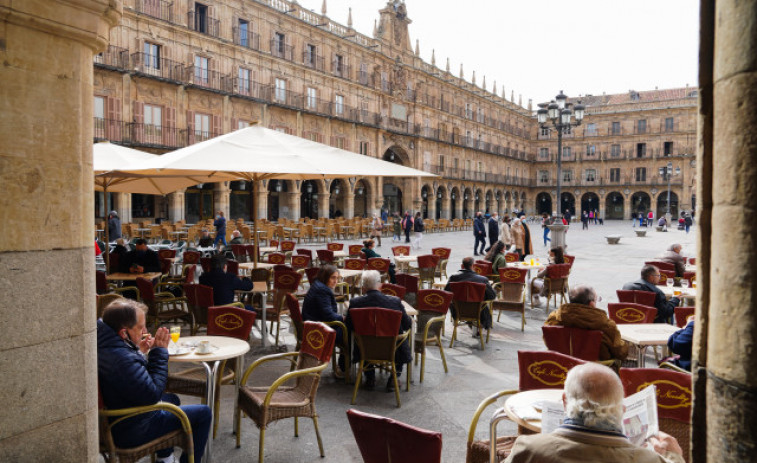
point(427, 269)
point(163, 306)
point(265, 405)
point(556, 283)
point(381, 439)
point(468, 300)
point(441, 266)
point(478, 450)
point(511, 291)
point(432, 305)
point(284, 282)
point(199, 299)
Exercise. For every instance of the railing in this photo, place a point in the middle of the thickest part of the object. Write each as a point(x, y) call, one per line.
point(160, 9)
point(367, 79)
point(313, 61)
point(197, 136)
point(203, 23)
point(249, 39)
point(252, 89)
point(288, 98)
point(154, 135)
point(317, 105)
point(113, 57)
point(161, 68)
point(364, 116)
point(341, 70)
point(110, 129)
point(281, 50)
point(202, 77)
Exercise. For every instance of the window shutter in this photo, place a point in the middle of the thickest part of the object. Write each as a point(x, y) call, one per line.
point(138, 117)
point(217, 127)
point(234, 124)
point(115, 130)
point(190, 127)
point(169, 128)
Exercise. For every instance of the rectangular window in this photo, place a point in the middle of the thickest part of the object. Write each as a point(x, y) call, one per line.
point(245, 81)
point(312, 98)
point(468, 110)
point(153, 124)
point(481, 117)
point(567, 176)
point(441, 161)
point(641, 150)
point(641, 126)
point(667, 148)
point(615, 151)
point(244, 29)
point(591, 129)
point(591, 150)
point(591, 175)
point(339, 65)
point(363, 77)
point(310, 53)
point(543, 153)
point(669, 124)
point(201, 18)
point(616, 128)
point(384, 82)
point(615, 174)
point(544, 131)
point(279, 44)
point(566, 152)
point(281, 90)
point(242, 124)
point(339, 104)
point(202, 66)
point(364, 148)
point(641, 174)
point(202, 127)
point(152, 56)
point(99, 113)
point(340, 143)
point(544, 176)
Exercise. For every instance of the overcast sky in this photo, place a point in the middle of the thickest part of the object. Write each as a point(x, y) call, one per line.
point(538, 47)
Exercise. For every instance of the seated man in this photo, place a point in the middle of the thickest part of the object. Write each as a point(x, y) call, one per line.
point(650, 276)
point(467, 274)
point(583, 313)
point(236, 238)
point(206, 241)
point(592, 430)
point(223, 284)
point(371, 281)
point(680, 343)
point(673, 256)
point(132, 369)
point(140, 260)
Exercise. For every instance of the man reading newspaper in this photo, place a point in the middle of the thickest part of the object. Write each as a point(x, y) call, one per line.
point(594, 424)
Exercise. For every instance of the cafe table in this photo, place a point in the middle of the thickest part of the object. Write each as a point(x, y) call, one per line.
point(527, 265)
point(403, 262)
point(132, 276)
point(644, 335)
point(222, 348)
point(524, 408)
point(247, 266)
point(687, 293)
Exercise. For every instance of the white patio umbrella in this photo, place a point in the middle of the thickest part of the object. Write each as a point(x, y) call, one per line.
point(257, 153)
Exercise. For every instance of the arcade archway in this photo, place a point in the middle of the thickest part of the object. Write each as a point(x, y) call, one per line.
point(544, 203)
point(614, 206)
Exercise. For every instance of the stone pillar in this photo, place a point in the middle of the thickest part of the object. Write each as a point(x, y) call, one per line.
point(725, 386)
point(48, 354)
point(293, 200)
point(349, 204)
point(221, 198)
point(122, 206)
point(176, 206)
point(602, 204)
point(446, 212)
point(262, 202)
point(431, 204)
point(323, 205)
point(627, 206)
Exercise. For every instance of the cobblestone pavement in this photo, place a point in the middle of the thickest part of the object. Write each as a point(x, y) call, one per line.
point(446, 402)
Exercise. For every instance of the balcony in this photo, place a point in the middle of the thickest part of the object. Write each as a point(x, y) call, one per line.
point(160, 68)
point(110, 129)
point(154, 135)
point(313, 61)
point(204, 24)
point(281, 50)
point(251, 89)
point(367, 79)
point(114, 57)
point(159, 9)
point(210, 80)
point(399, 125)
point(288, 98)
point(246, 38)
point(197, 136)
point(317, 105)
point(341, 70)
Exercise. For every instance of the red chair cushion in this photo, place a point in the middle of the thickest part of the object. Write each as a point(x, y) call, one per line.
point(401, 250)
point(467, 291)
point(410, 282)
point(428, 261)
point(393, 290)
point(382, 439)
point(230, 321)
point(682, 313)
point(318, 341)
point(434, 300)
point(544, 369)
point(294, 308)
point(378, 263)
point(335, 246)
point(673, 390)
point(287, 280)
point(443, 253)
point(513, 275)
point(558, 270)
point(625, 313)
point(375, 321)
point(580, 343)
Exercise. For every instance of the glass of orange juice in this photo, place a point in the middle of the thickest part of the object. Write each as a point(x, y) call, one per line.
point(175, 333)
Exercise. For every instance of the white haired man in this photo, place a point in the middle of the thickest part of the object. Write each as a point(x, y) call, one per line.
point(593, 400)
point(371, 282)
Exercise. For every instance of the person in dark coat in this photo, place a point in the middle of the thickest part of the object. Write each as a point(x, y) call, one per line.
point(132, 371)
point(407, 225)
point(220, 224)
point(680, 343)
point(206, 241)
point(371, 281)
point(114, 226)
point(319, 304)
point(650, 276)
point(479, 232)
point(467, 274)
point(141, 260)
point(223, 284)
point(493, 225)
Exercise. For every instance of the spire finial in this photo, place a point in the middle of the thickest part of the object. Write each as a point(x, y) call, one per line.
point(483, 83)
point(323, 8)
point(417, 48)
point(433, 57)
point(349, 19)
point(504, 95)
point(520, 100)
point(512, 96)
point(461, 71)
point(375, 29)
point(447, 64)
point(473, 79)
point(494, 88)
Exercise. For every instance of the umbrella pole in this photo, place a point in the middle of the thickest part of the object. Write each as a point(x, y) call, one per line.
point(107, 235)
point(255, 222)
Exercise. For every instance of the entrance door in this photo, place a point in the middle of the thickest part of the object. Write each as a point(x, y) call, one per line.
point(393, 198)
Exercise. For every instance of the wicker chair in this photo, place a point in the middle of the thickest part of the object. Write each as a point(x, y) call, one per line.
point(230, 320)
point(555, 283)
point(393, 290)
point(354, 250)
point(511, 291)
point(381, 265)
point(469, 302)
point(199, 299)
point(178, 438)
point(636, 297)
point(284, 282)
point(673, 399)
point(441, 267)
point(401, 250)
point(427, 269)
point(265, 405)
point(163, 306)
point(103, 301)
point(376, 334)
point(682, 314)
point(627, 313)
point(381, 439)
point(432, 307)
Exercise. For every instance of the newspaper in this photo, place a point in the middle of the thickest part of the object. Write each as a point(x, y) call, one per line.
point(639, 420)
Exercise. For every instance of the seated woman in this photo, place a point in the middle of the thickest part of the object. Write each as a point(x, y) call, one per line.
point(556, 256)
point(370, 254)
point(496, 256)
point(320, 304)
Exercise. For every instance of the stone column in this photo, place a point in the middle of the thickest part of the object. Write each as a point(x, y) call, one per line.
point(725, 386)
point(446, 202)
point(323, 205)
point(349, 203)
point(627, 207)
point(48, 354)
point(123, 206)
point(602, 204)
point(221, 198)
point(431, 202)
point(176, 206)
point(293, 202)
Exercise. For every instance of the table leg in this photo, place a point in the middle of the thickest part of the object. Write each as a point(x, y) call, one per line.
point(210, 372)
point(642, 356)
point(263, 329)
point(411, 339)
point(237, 383)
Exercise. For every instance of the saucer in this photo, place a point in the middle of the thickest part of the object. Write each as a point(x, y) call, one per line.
point(179, 351)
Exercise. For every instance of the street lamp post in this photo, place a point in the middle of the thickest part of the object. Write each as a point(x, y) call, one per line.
point(666, 173)
point(559, 114)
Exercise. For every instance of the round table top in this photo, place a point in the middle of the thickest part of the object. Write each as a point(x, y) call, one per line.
point(224, 348)
point(524, 408)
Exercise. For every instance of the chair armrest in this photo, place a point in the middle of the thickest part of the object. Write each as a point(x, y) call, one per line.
point(431, 321)
point(402, 338)
point(125, 413)
point(497, 287)
point(482, 406)
point(674, 367)
point(268, 358)
point(124, 289)
point(344, 331)
point(345, 287)
point(165, 296)
point(291, 375)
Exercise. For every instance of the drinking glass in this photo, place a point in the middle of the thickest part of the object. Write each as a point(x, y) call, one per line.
point(669, 282)
point(175, 333)
point(684, 283)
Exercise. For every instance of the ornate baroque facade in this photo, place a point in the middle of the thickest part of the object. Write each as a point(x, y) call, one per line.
point(180, 72)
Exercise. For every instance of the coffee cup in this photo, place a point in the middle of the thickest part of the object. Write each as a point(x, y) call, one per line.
point(203, 347)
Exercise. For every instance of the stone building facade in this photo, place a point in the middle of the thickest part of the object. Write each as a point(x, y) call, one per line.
point(176, 73)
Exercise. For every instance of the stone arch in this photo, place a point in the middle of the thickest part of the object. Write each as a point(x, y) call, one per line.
point(499, 201)
point(568, 203)
point(614, 205)
point(523, 199)
point(363, 192)
point(489, 202)
point(442, 202)
point(309, 191)
point(662, 201)
point(468, 200)
point(543, 203)
point(455, 198)
point(641, 203)
point(589, 202)
point(338, 190)
point(427, 194)
point(508, 202)
point(478, 200)
point(277, 198)
point(397, 154)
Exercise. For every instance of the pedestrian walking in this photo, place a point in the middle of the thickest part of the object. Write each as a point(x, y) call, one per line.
point(546, 221)
point(377, 226)
point(479, 232)
point(493, 232)
point(220, 224)
point(396, 227)
point(584, 221)
point(407, 225)
point(418, 228)
point(687, 222)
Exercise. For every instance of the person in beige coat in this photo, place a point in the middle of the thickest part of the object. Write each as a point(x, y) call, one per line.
point(592, 430)
point(505, 235)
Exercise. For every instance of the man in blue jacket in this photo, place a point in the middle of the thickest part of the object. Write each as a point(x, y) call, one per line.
point(132, 370)
point(371, 282)
point(650, 276)
point(680, 343)
point(479, 232)
point(220, 224)
point(223, 284)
